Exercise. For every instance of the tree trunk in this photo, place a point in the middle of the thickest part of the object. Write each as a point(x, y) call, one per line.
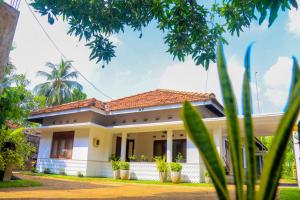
point(8, 172)
point(8, 22)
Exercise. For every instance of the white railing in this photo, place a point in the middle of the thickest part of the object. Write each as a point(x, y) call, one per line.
point(138, 170)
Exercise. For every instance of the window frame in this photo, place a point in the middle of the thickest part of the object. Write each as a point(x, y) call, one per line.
point(68, 136)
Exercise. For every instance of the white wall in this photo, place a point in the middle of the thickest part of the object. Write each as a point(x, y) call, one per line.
point(78, 163)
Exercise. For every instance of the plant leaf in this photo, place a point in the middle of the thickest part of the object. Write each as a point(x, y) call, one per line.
point(295, 79)
point(200, 136)
point(248, 127)
point(274, 159)
point(232, 123)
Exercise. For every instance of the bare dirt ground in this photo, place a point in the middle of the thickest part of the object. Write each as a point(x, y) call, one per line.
point(54, 188)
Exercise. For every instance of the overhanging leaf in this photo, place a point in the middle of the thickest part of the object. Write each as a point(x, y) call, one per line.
point(200, 136)
point(232, 123)
point(248, 126)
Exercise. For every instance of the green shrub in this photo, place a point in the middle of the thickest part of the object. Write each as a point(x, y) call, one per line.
point(143, 158)
point(132, 158)
point(62, 171)
point(161, 164)
point(124, 165)
point(206, 174)
point(175, 167)
point(47, 171)
point(179, 158)
point(113, 157)
point(80, 174)
point(115, 165)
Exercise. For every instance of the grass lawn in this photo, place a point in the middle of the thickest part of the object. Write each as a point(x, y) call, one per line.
point(289, 193)
point(113, 180)
point(19, 183)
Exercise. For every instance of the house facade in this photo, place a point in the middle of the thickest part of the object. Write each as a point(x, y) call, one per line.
point(82, 136)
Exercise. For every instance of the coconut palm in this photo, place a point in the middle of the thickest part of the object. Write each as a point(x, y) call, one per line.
point(58, 86)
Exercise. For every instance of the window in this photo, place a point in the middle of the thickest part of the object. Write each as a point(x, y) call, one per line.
point(62, 145)
point(179, 148)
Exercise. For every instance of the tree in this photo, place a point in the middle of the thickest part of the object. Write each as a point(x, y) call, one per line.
point(78, 95)
point(16, 103)
point(191, 27)
point(58, 87)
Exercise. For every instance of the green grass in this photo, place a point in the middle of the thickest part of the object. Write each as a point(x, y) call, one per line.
point(19, 183)
point(76, 178)
point(289, 193)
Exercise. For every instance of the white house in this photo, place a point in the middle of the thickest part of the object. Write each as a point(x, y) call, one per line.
point(81, 136)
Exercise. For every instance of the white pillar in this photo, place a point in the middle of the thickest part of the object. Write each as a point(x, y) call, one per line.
point(169, 145)
point(123, 146)
point(217, 135)
point(297, 154)
point(192, 153)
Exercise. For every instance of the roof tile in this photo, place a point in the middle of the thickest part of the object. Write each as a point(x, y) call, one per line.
point(157, 97)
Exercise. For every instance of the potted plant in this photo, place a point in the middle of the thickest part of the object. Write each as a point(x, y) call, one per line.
point(175, 172)
point(115, 165)
point(124, 170)
point(132, 158)
point(143, 158)
point(162, 167)
point(207, 177)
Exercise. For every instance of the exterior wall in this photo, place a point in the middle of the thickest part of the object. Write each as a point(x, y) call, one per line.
point(68, 119)
point(98, 155)
point(78, 163)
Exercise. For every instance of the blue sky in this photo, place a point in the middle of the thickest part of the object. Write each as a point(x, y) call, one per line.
point(143, 64)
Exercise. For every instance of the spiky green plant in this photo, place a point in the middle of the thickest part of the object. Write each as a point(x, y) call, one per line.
point(202, 138)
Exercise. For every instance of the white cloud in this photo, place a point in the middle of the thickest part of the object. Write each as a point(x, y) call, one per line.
point(294, 21)
point(277, 81)
point(189, 77)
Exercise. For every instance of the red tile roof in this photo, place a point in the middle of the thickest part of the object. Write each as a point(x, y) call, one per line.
point(157, 97)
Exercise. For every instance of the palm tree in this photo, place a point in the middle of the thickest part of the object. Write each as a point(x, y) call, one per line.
point(58, 86)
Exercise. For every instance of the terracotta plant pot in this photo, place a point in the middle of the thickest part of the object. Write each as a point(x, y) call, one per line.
point(207, 179)
point(124, 174)
point(163, 176)
point(116, 174)
point(176, 177)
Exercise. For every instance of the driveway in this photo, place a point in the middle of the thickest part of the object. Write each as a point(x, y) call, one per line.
point(54, 188)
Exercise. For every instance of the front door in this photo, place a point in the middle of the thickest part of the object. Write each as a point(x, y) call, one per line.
point(129, 149)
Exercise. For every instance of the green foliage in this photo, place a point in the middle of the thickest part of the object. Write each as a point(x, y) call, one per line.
point(77, 95)
point(175, 167)
point(124, 165)
point(206, 174)
point(115, 165)
point(144, 158)
point(113, 157)
point(47, 171)
point(274, 158)
point(14, 148)
point(132, 158)
point(179, 157)
point(59, 88)
point(161, 164)
point(191, 27)
point(80, 174)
